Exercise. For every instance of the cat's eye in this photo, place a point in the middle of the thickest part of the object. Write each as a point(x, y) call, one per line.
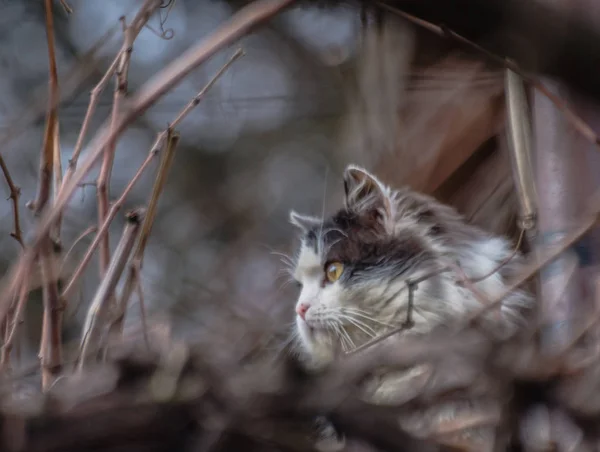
point(333, 271)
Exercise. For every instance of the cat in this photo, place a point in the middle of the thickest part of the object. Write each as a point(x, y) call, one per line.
point(354, 270)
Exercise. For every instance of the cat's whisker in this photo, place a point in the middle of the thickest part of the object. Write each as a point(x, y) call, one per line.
point(364, 315)
point(342, 339)
point(346, 316)
point(284, 257)
point(345, 339)
point(360, 325)
point(286, 271)
point(348, 338)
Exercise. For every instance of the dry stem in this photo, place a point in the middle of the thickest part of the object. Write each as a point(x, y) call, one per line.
point(15, 193)
point(542, 260)
point(156, 87)
point(50, 346)
point(102, 184)
point(66, 6)
point(136, 263)
point(47, 159)
point(17, 319)
point(51, 343)
point(115, 207)
point(576, 121)
point(94, 99)
point(165, 165)
point(97, 313)
point(57, 164)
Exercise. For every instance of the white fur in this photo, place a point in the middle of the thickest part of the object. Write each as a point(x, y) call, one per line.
point(477, 254)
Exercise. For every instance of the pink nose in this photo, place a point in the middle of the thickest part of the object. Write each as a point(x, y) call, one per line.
point(301, 310)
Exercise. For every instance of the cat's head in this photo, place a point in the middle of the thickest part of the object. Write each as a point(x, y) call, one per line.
point(353, 267)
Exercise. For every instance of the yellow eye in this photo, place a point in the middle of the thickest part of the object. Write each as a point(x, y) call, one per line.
point(334, 271)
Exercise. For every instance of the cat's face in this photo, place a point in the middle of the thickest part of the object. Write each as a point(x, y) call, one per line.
point(353, 270)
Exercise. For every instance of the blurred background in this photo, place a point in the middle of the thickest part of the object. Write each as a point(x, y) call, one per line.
point(317, 89)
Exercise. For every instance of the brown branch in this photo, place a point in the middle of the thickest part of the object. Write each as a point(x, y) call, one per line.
point(14, 323)
point(239, 25)
point(576, 121)
point(15, 193)
point(51, 343)
point(140, 294)
point(102, 184)
point(57, 164)
point(76, 75)
point(541, 260)
point(50, 346)
point(94, 99)
point(136, 264)
point(503, 262)
point(47, 158)
point(114, 209)
point(99, 308)
point(138, 256)
point(66, 7)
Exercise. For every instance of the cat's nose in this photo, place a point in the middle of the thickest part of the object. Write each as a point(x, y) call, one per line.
point(301, 309)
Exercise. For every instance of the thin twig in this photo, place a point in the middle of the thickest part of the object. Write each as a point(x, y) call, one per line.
point(79, 238)
point(576, 121)
point(198, 98)
point(411, 286)
point(97, 313)
point(503, 262)
point(66, 7)
point(165, 165)
point(76, 75)
point(536, 265)
point(15, 193)
point(157, 190)
point(17, 319)
point(94, 99)
point(140, 294)
point(239, 25)
point(114, 209)
point(47, 158)
point(51, 343)
point(57, 167)
point(130, 33)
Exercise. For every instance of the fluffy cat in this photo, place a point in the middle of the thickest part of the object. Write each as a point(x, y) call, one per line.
point(354, 268)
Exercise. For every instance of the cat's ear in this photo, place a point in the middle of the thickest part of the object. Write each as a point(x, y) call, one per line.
point(364, 192)
point(304, 222)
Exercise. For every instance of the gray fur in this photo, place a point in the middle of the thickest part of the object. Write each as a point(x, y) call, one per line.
point(384, 238)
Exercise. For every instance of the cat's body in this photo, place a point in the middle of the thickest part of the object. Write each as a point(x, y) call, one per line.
point(382, 239)
point(355, 268)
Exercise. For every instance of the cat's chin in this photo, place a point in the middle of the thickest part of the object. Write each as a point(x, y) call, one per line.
point(316, 344)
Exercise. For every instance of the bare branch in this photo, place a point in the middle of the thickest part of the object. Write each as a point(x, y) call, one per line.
point(97, 313)
point(157, 190)
point(16, 320)
point(15, 193)
point(114, 209)
point(102, 184)
point(94, 98)
point(51, 343)
point(47, 158)
point(543, 259)
point(154, 89)
point(133, 274)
